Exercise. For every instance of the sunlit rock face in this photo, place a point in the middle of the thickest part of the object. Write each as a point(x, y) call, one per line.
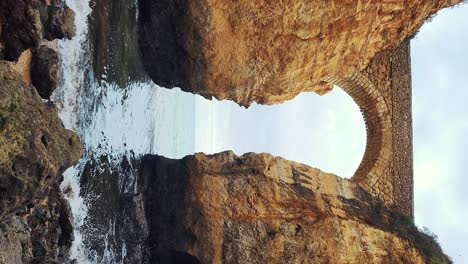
point(257, 208)
point(265, 52)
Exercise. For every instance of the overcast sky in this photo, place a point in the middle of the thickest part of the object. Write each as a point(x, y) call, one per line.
point(328, 131)
point(440, 114)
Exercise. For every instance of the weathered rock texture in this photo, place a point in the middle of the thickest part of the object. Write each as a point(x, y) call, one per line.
point(260, 209)
point(25, 24)
point(268, 52)
point(112, 204)
point(35, 149)
point(44, 70)
point(38, 234)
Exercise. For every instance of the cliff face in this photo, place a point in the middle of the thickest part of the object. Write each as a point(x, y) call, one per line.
point(261, 209)
point(264, 52)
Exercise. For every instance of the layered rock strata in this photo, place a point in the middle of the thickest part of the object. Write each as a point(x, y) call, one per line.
point(264, 52)
point(261, 209)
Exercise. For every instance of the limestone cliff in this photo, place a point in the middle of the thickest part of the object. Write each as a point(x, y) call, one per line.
point(262, 209)
point(269, 51)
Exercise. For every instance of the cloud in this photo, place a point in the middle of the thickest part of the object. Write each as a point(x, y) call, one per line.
point(439, 62)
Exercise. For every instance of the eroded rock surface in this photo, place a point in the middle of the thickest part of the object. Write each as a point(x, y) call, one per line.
point(44, 70)
point(26, 23)
point(268, 52)
point(39, 234)
point(262, 209)
point(35, 149)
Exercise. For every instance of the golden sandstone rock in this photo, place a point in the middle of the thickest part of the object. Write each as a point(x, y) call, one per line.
point(270, 51)
point(257, 208)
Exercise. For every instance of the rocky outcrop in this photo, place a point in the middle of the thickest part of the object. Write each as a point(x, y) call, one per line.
point(35, 149)
point(258, 51)
point(262, 209)
point(27, 23)
point(39, 234)
point(40, 67)
point(44, 70)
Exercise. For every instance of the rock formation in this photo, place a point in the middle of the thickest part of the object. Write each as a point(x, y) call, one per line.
point(265, 52)
point(220, 208)
point(213, 49)
point(35, 148)
point(114, 42)
point(26, 23)
point(262, 209)
point(35, 151)
point(44, 70)
point(40, 233)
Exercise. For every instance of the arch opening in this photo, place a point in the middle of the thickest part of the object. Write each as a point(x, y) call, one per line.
point(377, 119)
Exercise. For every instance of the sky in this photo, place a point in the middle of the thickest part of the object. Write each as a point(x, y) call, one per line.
point(440, 127)
point(328, 131)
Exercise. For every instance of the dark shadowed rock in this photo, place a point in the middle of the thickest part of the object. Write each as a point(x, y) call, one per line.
point(41, 233)
point(59, 23)
point(44, 70)
point(131, 227)
point(24, 23)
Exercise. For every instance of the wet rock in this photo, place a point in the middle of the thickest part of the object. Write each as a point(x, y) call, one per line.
point(115, 213)
point(24, 23)
point(59, 22)
point(40, 234)
point(264, 52)
point(44, 70)
point(132, 228)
